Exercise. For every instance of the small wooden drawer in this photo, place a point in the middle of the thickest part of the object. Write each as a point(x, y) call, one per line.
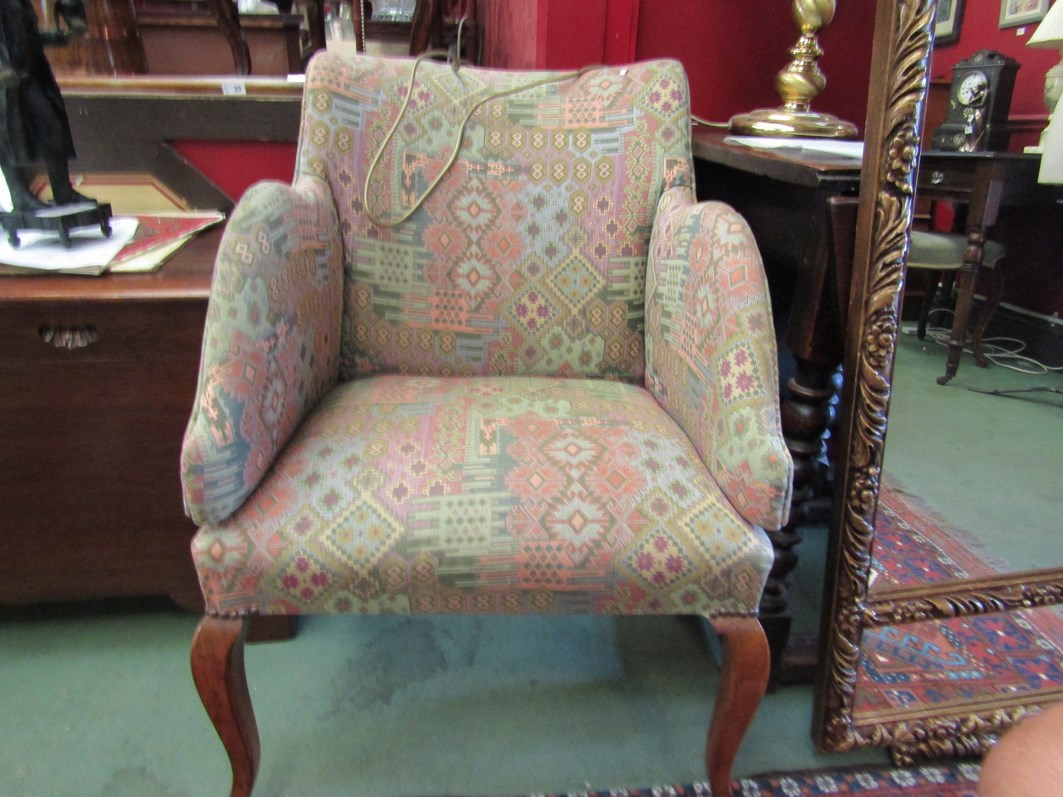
point(956, 180)
point(100, 331)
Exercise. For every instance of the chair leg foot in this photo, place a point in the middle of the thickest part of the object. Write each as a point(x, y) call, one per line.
point(743, 682)
point(218, 670)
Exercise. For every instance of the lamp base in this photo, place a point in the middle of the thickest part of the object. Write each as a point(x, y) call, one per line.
point(784, 123)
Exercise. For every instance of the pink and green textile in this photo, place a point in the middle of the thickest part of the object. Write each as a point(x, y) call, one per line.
point(552, 389)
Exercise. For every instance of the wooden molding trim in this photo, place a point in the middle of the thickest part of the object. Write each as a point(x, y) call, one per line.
point(162, 86)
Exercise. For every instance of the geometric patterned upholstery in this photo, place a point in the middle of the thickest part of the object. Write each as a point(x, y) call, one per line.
point(552, 389)
point(711, 358)
point(485, 495)
point(530, 257)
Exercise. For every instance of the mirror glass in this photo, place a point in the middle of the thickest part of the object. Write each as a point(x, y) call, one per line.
point(970, 490)
point(980, 454)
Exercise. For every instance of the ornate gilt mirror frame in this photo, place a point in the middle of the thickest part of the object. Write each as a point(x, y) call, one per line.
point(900, 59)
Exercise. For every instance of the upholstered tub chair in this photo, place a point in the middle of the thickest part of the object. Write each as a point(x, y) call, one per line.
point(486, 355)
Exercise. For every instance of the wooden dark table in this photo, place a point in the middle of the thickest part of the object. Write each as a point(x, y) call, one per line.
point(793, 203)
point(97, 379)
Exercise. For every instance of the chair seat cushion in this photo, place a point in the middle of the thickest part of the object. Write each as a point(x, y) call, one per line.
point(944, 251)
point(485, 495)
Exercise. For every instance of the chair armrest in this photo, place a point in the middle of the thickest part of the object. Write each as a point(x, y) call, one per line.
point(271, 343)
point(711, 359)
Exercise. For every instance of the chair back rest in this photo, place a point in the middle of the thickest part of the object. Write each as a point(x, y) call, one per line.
point(526, 254)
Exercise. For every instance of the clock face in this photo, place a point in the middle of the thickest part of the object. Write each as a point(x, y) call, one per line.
point(972, 89)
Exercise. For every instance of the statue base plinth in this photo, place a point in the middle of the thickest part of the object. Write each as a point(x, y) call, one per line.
point(60, 219)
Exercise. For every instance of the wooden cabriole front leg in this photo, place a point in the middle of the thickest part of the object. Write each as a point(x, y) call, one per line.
point(746, 664)
point(218, 670)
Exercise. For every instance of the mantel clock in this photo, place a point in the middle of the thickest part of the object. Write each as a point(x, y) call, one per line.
point(979, 99)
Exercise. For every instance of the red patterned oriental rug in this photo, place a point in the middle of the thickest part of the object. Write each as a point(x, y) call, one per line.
point(1010, 658)
point(960, 780)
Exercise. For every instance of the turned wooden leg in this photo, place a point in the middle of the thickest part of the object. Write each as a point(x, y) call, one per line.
point(807, 413)
point(746, 664)
point(218, 670)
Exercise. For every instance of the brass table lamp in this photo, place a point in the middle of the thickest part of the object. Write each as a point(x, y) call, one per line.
point(797, 84)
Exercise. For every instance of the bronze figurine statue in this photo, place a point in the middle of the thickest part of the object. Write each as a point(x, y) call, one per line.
point(35, 127)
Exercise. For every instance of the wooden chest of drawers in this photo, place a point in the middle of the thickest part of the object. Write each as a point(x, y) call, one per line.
point(97, 379)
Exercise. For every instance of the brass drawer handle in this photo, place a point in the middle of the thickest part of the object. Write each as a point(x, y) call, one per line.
point(936, 177)
point(69, 337)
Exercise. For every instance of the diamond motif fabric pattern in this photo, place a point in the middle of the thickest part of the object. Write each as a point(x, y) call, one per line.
point(548, 209)
point(710, 351)
point(552, 389)
point(486, 494)
point(271, 344)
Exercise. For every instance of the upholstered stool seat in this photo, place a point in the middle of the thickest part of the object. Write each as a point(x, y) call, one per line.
point(943, 253)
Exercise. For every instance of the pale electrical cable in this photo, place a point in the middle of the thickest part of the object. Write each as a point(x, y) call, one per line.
point(492, 95)
point(992, 348)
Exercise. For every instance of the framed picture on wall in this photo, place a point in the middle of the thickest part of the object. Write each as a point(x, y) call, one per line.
point(947, 21)
point(1020, 12)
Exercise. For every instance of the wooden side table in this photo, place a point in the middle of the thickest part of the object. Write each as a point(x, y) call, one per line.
point(97, 379)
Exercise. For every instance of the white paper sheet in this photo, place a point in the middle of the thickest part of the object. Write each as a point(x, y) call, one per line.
point(88, 248)
point(819, 146)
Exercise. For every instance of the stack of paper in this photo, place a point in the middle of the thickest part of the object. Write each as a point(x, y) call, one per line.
point(807, 146)
point(158, 236)
point(137, 244)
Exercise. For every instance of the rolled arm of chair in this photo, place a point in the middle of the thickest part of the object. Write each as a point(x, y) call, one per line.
point(711, 358)
point(271, 342)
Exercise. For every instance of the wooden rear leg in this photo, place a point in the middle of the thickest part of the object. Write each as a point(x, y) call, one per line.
point(992, 302)
point(218, 670)
point(743, 682)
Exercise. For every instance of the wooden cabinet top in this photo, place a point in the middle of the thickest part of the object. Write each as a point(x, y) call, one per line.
point(186, 275)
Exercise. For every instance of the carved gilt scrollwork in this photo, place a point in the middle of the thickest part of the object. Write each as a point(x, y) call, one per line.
point(984, 596)
point(911, 742)
point(900, 66)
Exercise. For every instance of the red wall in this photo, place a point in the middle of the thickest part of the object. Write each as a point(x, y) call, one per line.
point(234, 166)
point(558, 34)
point(510, 33)
point(732, 51)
